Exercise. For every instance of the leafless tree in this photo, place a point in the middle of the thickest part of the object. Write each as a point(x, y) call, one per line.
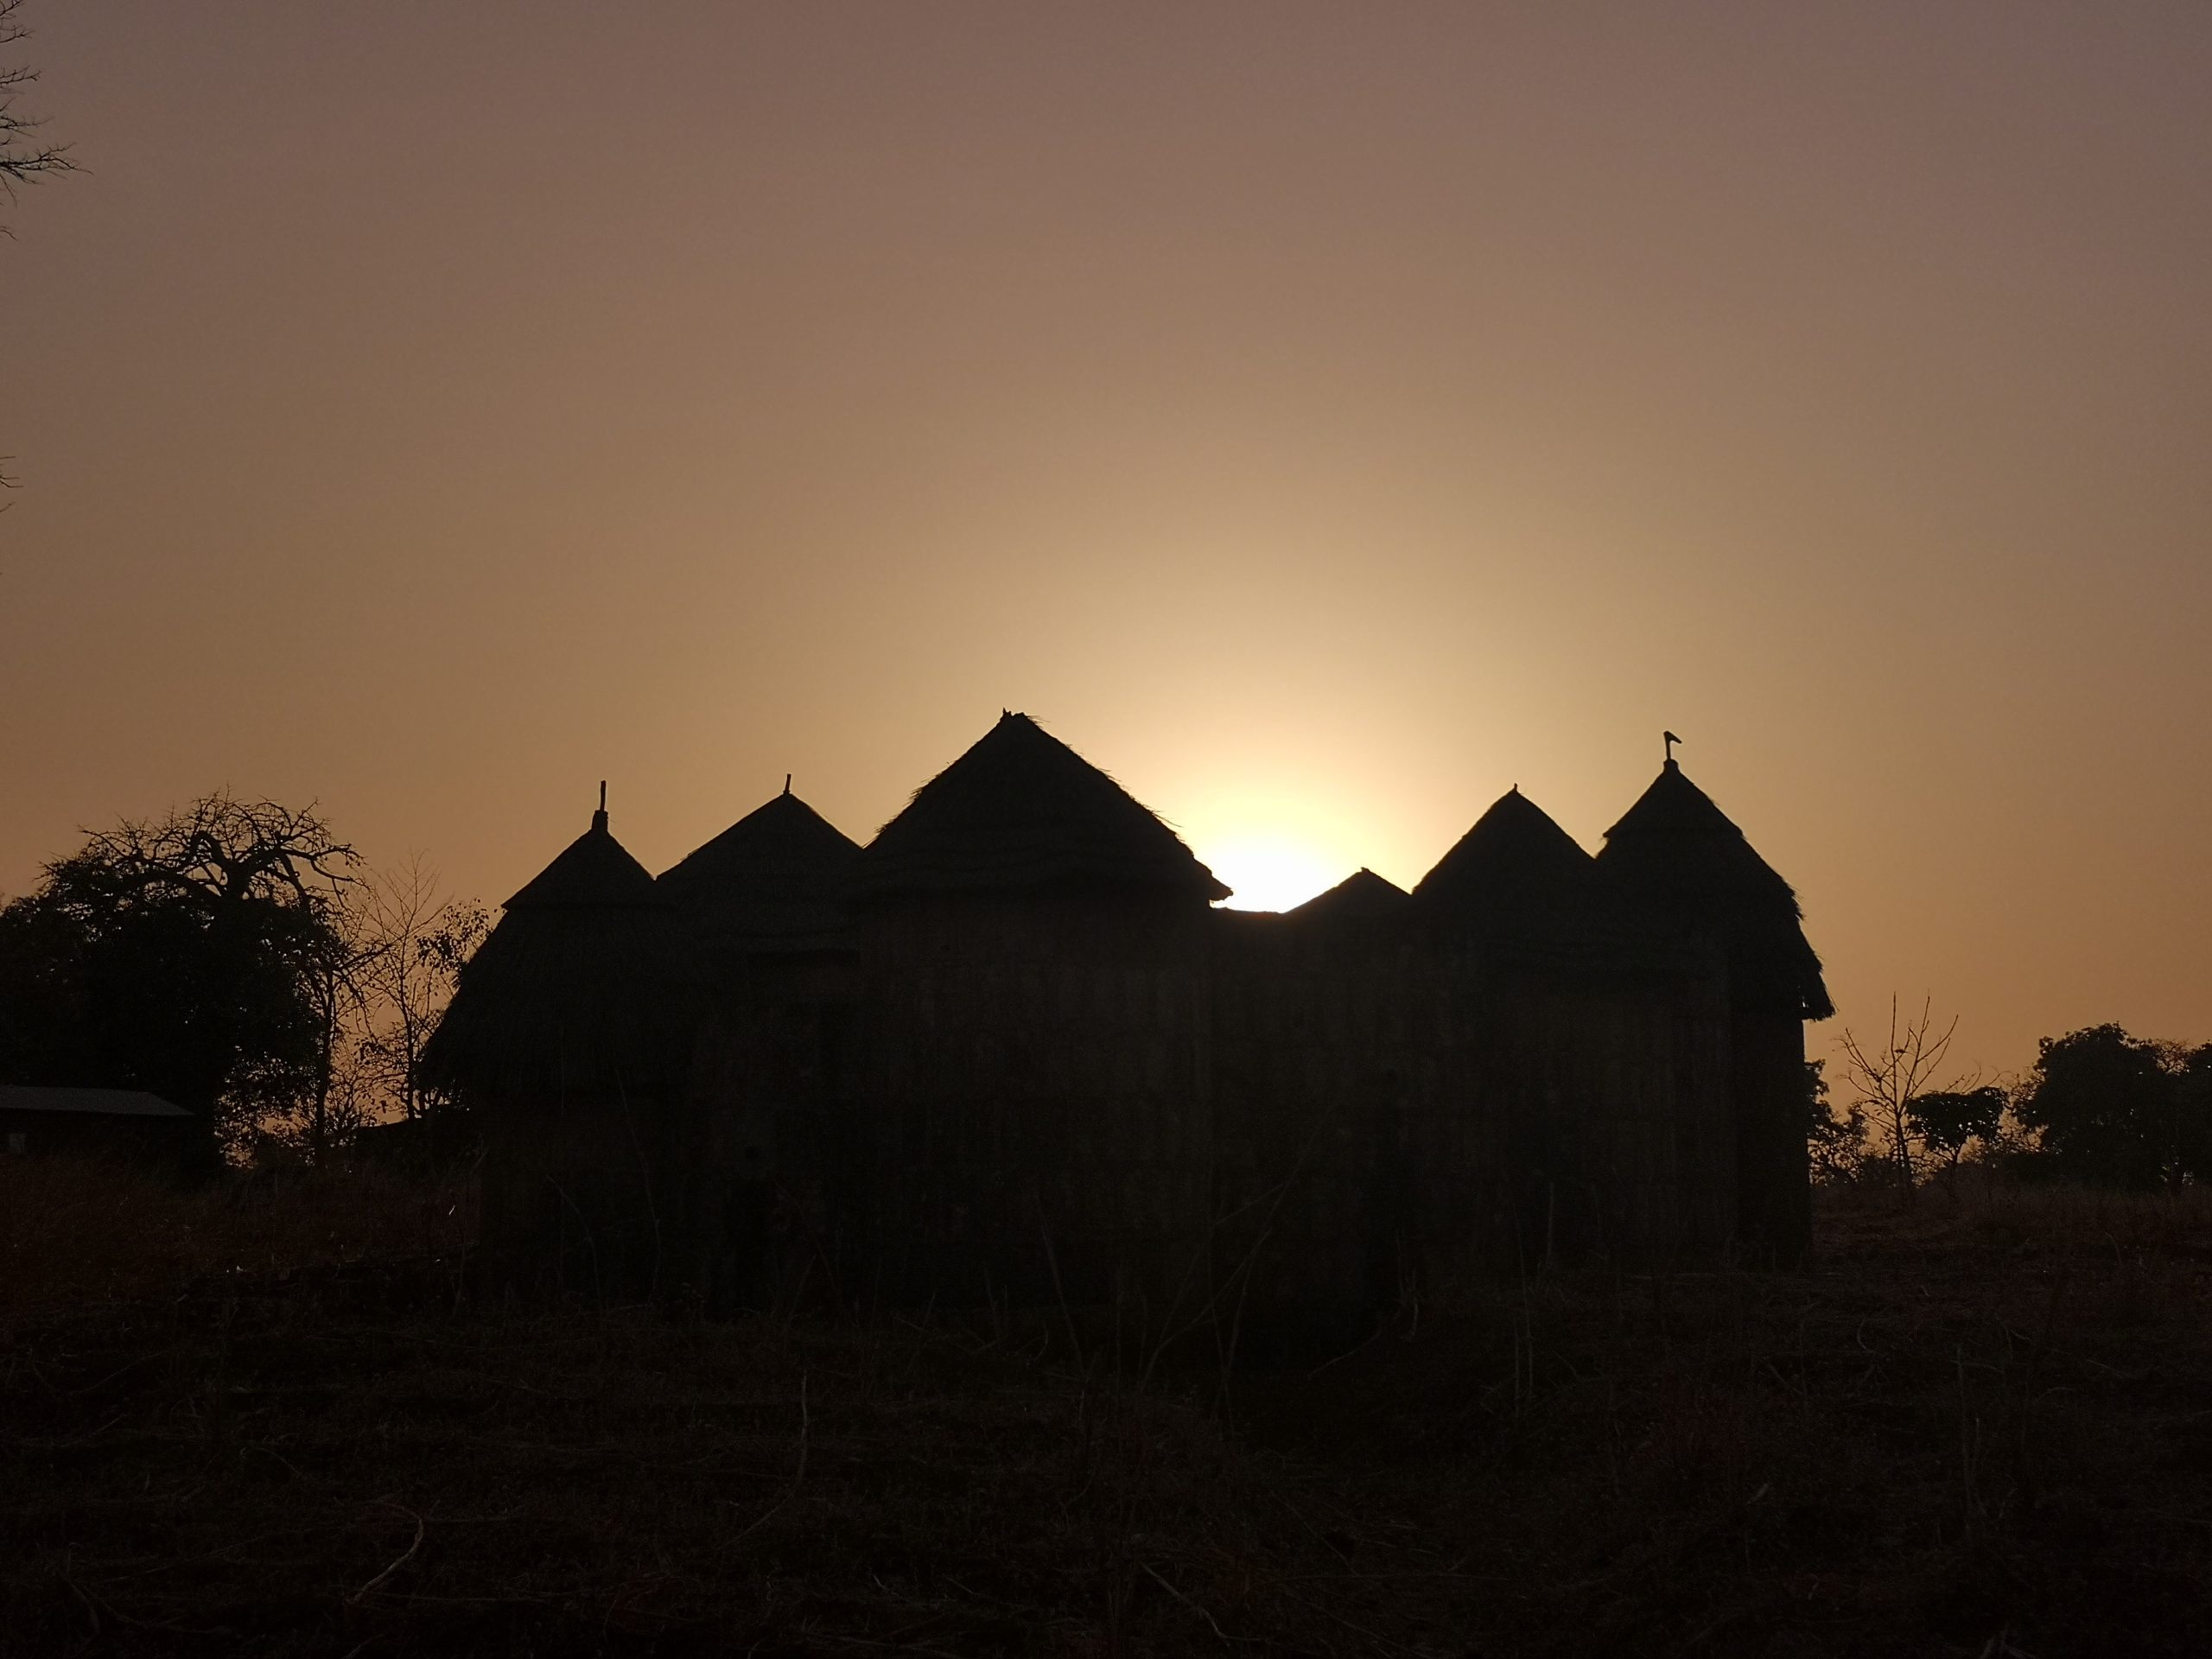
point(399, 950)
point(336, 1108)
point(24, 157)
point(222, 851)
point(1888, 1078)
point(414, 945)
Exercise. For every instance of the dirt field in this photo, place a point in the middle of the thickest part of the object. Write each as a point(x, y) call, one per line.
point(258, 1420)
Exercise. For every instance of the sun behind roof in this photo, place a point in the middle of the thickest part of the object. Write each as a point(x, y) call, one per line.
point(1270, 870)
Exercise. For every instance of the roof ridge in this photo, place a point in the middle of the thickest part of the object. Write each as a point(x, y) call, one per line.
point(593, 871)
point(1021, 808)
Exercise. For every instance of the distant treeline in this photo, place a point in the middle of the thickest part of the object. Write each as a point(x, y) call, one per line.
point(2100, 1108)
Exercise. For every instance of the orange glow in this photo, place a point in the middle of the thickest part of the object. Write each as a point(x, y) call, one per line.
point(1323, 418)
point(1270, 872)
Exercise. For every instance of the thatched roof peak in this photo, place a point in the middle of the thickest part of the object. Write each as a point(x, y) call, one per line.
point(774, 879)
point(1363, 896)
point(784, 833)
point(587, 985)
point(1515, 859)
point(592, 870)
point(1021, 810)
point(1675, 852)
point(1676, 835)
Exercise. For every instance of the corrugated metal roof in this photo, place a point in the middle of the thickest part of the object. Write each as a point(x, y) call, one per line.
point(107, 1102)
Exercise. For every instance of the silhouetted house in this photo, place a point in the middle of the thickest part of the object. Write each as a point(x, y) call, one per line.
point(1010, 1054)
point(569, 1038)
point(1595, 1043)
point(766, 901)
point(1311, 1024)
point(1507, 934)
point(1032, 1016)
point(1677, 859)
point(127, 1125)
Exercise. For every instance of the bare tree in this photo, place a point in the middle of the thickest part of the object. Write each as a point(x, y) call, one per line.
point(414, 945)
point(222, 852)
point(334, 1110)
point(1889, 1077)
point(24, 157)
point(396, 953)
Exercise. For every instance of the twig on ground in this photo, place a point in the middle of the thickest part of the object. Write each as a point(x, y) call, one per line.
point(1193, 1606)
point(407, 1557)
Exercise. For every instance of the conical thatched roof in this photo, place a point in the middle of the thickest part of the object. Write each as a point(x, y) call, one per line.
point(595, 870)
point(1022, 809)
point(774, 881)
point(1521, 889)
point(1678, 854)
point(588, 986)
point(1363, 896)
point(1514, 873)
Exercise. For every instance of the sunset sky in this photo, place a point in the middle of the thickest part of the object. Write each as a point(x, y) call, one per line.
point(1323, 418)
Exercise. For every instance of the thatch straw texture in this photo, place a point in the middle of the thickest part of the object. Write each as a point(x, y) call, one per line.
point(774, 882)
point(1678, 856)
point(588, 987)
point(1022, 809)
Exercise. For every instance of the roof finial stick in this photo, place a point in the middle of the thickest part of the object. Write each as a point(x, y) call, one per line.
point(1671, 741)
point(602, 794)
point(787, 782)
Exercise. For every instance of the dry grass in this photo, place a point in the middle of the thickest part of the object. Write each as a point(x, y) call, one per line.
point(1984, 1427)
point(79, 1233)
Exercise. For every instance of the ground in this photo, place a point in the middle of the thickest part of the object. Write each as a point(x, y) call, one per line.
point(262, 1419)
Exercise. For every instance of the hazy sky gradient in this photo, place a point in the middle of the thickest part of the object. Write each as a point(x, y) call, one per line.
point(1323, 416)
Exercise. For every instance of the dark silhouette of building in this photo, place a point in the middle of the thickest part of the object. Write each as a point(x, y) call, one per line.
point(571, 1037)
point(780, 1154)
point(1677, 862)
point(1010, 1053)
point(128, 1125)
